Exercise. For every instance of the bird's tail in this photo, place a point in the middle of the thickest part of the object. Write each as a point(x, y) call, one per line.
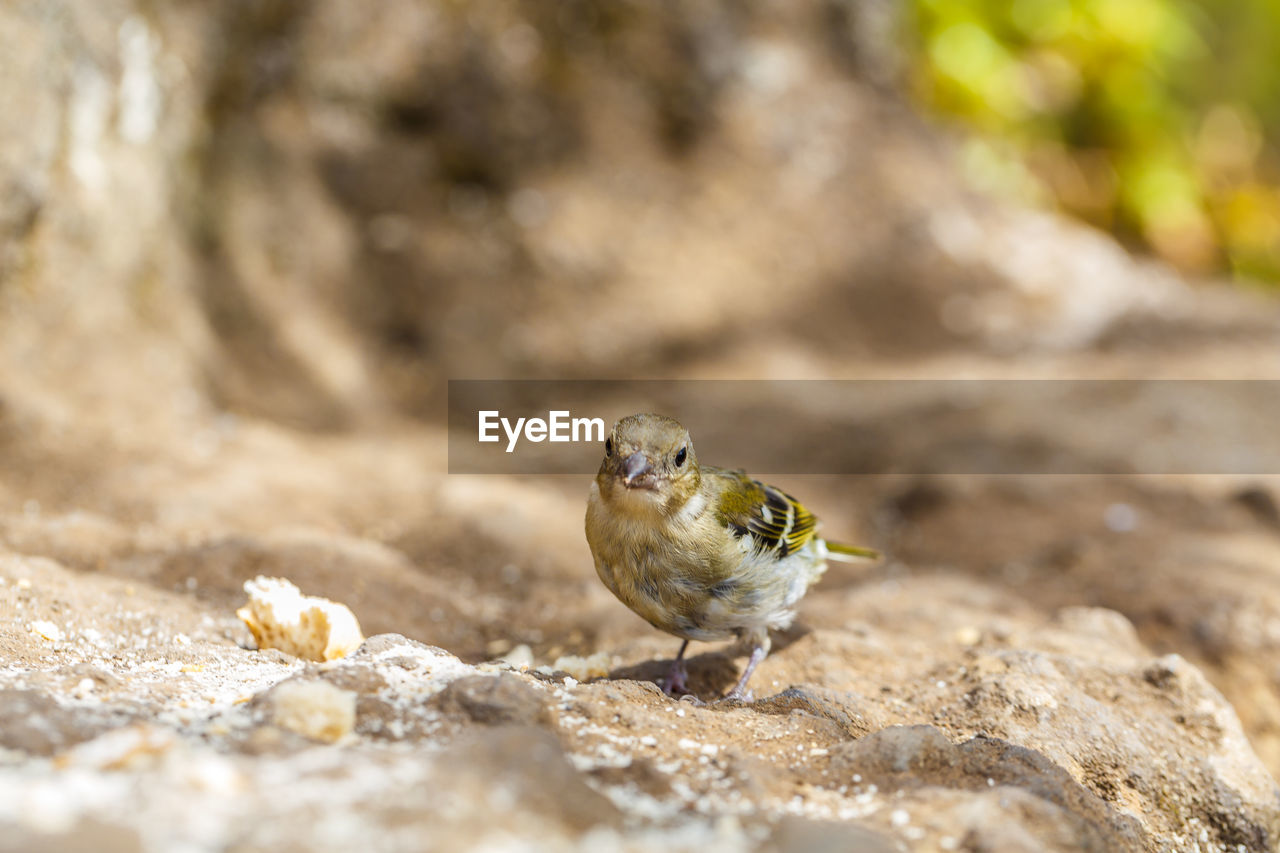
point(850, 553)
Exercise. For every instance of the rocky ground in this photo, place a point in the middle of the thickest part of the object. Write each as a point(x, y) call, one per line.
point(243, 247)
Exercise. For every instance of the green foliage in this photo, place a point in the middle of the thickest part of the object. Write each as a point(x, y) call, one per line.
point(1158, 119)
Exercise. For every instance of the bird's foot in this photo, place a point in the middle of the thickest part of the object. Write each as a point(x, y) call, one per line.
point(675, 683)
point(740, 693)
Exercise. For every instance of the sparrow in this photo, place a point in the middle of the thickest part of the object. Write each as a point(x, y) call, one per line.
point(700, 552)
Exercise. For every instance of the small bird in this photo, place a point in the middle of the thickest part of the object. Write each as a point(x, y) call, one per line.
point(700, 552)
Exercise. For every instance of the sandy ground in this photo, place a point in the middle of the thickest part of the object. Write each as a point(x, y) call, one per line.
point(974, 691)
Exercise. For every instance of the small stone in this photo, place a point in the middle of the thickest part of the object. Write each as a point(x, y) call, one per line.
point(493, 700)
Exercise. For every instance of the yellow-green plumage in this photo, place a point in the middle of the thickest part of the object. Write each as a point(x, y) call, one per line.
point(700, 552)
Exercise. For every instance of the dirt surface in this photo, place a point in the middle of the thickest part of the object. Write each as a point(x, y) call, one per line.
point(242, 248)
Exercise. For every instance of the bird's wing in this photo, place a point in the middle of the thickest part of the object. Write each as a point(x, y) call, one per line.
point(773, 519)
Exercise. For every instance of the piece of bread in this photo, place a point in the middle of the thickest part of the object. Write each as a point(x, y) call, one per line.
point(313, 709)
point(305, 626)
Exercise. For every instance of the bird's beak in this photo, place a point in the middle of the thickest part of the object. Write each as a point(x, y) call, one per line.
point(634, 467)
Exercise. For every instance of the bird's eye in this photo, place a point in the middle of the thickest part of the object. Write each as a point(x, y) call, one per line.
point(608, 446)
point(681, 454)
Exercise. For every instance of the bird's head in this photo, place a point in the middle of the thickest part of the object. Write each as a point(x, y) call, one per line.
point(649, 465)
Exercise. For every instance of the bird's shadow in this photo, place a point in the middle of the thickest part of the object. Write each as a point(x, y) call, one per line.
point(710, 674)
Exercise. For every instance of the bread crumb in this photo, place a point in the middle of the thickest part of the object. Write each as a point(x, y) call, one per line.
point(521, 658)
point(584, 669)
point(305, 626)
point(314, 709)
point(46, 629)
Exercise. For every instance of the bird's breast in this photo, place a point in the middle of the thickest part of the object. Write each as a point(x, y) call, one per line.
point(662, 574)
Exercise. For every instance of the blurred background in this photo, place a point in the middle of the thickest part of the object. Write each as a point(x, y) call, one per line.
point(244, 245)
point(314, 214)
point(1155, 120)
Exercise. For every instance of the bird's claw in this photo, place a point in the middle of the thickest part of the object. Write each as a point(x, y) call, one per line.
point(675, 683)
point(746, 697)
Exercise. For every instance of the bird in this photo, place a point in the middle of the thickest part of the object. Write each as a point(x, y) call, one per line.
point(700, 552)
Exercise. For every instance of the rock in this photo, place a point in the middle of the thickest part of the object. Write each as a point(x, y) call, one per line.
point(923, 756)
point(795, 835)
point(34, 722)
point(380, 645)
point(494, 700)
point(837, 709)
point(532, 770)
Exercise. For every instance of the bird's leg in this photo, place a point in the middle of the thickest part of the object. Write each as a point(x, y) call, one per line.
point(674, 683)
point(758, 653)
